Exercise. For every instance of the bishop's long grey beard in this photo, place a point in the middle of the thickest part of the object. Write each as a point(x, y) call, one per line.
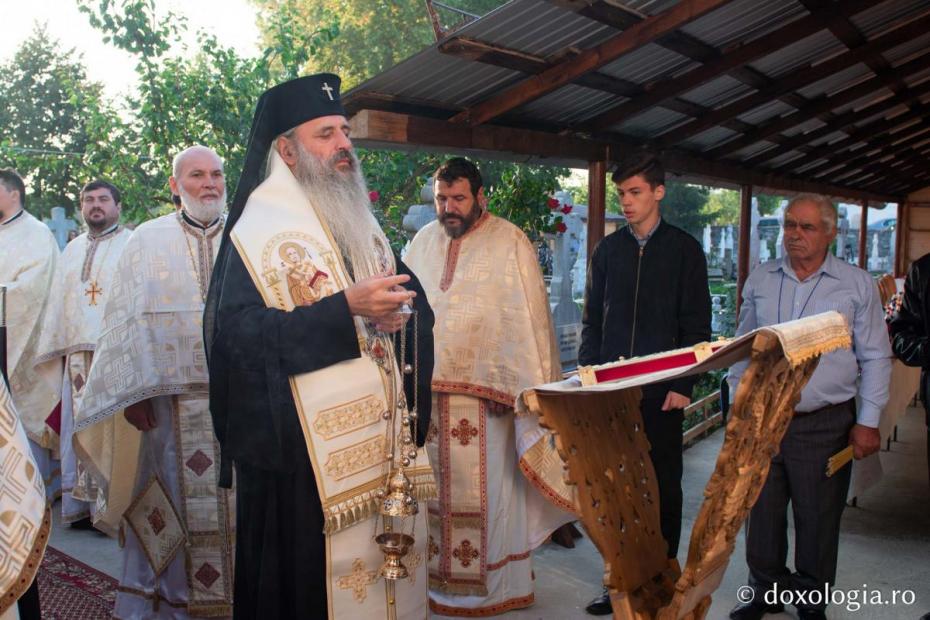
point(341, 200)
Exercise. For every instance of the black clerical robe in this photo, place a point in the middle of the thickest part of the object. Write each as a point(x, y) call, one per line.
point(280, 546)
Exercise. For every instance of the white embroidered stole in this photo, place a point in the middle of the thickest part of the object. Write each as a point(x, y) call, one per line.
point(293, 261)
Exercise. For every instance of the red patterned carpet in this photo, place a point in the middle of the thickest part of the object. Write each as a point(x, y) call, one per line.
point(72, 590)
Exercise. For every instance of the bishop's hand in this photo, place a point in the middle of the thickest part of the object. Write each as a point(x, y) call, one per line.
point(377, 297)
point(141, 415)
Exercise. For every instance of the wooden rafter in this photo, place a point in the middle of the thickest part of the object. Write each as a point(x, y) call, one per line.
point(846, 122)
point(378, 129)
point(797, 79)
point(498, 56)
point(847, 32)
point(897, 167)
point(664, 88)
point(589, 60)
point(887, 144)
point(882, 126)
point(815, 108)
point(620, 17)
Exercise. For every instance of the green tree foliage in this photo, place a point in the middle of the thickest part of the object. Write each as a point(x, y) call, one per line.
point(368, 36)
point(362, 40)
point(49, 114)
point(683, 206)
point(183, 99)
point(207, 95)
point(723, 205)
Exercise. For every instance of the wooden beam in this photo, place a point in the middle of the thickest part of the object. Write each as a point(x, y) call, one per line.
point(863, 232)
point(900, 160)
point(846, 31)
point(636, 36)
point(900, 234)
point(694, 163)
point(888, 143)
point(813, 109)
point(797, 78)
point(377, 129)
point(498, 56)
point(621, 18)
point(597, 204)
point(666, 87)
point(894, 178)
point(847, 122)
point(745, 231)
point(862, 133)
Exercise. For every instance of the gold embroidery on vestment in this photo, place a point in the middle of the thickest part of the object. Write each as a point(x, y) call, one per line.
point(358, 580)
point(354, 459)
point(339, 420)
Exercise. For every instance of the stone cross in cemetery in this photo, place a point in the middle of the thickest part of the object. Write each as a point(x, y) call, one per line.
point(61, 226)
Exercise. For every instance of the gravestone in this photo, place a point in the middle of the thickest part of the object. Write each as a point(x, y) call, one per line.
point(875, 261)
point(566, 316)
point(420, 215)
point(754, 238)
point(60, 226)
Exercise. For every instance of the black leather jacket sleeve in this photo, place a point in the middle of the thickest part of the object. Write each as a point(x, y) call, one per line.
point(909, 338)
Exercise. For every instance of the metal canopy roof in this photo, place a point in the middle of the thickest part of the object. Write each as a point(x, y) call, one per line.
point(790, 95)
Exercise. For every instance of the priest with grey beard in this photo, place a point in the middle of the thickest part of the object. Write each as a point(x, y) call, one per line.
point(143, 426)
point(305, 297)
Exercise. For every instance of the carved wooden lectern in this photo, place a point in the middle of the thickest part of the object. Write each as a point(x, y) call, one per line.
point(599, 434)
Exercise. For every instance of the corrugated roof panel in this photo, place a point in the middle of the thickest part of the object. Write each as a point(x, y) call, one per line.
point(717, 92)
point(866, 100)
point(886, 14)
point(749, 151)
point(915, 79)
point(537, 27)
point(829, 138)
point(649, 7)
point(838, 81)
point(743, 20)
point(568, 105)
point(709, 138)
point(908, 49)
point(870, 118)
point(770, 110)
point(651, 123)
point(799, 54)
point(647, 63)
point(811, 125)
point(784, 158)
point(448, 79)
point(807, 165)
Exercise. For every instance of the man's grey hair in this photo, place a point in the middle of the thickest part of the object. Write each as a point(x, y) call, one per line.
point(289, 135)
point(828, 213)
point(179, 158)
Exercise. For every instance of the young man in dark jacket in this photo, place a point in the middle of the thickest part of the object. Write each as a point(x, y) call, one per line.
point(647, 292)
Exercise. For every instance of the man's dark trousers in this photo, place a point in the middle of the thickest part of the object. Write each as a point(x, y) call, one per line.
point(663, 430)
point(798, 475)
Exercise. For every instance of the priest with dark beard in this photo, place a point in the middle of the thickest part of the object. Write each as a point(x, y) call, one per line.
point(303, 388)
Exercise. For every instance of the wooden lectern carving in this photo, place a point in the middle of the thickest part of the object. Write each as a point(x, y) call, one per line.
point(599, 434)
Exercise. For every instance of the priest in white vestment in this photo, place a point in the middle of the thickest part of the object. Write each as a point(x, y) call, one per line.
point(69, 331)
point(177, 525)
point(27, 518)
point(493, 338)
point(28, 254)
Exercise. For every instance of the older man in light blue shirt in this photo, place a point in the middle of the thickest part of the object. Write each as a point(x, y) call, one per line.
point(807, 281)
